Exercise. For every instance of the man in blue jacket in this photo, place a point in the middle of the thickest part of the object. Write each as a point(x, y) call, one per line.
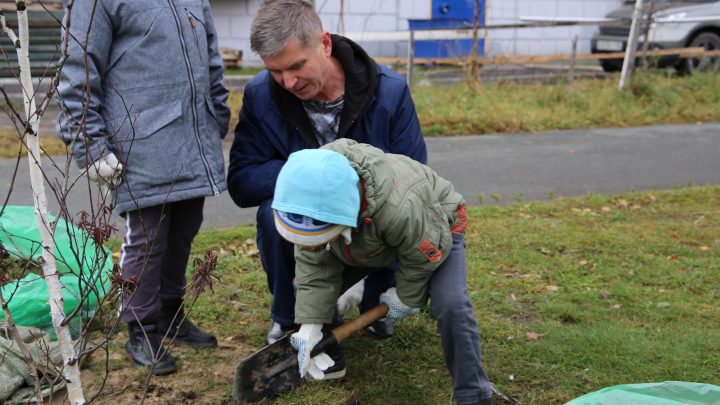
point(143, 112)
point(317, 88)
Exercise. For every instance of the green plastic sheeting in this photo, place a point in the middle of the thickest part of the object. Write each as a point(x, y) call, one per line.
point(81, 273)
point(665, 393)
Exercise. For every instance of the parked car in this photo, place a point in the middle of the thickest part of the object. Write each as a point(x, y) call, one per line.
point(665, 35)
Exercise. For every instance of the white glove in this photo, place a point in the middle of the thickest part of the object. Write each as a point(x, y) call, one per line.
point(351, 298)
point(304, 341)
point(397, 310)
point(106, 171)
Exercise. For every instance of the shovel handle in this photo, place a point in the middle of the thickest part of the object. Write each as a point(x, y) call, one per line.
point(345, 330)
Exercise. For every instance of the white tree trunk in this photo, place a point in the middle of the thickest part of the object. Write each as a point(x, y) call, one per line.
point(629, 62)
point(71, 369)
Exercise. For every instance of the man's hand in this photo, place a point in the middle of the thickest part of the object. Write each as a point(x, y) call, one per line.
point(351, 298)
point(398, 310)
point(106, 171)
point(304, 341)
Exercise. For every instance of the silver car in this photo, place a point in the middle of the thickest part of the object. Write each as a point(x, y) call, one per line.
point(664, 33)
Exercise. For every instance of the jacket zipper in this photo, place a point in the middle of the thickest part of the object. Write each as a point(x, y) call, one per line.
point(193, 97)
point(193, 24)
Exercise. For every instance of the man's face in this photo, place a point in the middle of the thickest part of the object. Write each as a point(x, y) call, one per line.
point(302, 71)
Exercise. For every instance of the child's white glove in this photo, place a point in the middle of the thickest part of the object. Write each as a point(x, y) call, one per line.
point(351, 298)
point(304, 341)
point(398, 310)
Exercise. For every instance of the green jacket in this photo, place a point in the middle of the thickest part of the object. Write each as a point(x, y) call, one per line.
point(406, 214)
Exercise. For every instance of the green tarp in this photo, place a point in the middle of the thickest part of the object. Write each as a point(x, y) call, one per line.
point(84, 270)
point(665, 393)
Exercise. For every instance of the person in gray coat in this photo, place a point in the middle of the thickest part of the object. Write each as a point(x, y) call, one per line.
point(143, 111)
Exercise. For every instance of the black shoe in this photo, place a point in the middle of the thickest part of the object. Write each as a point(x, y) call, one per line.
point(336, 371)
point(277, 332)
point(383, 328)
point(145, 350)
point(187, 333)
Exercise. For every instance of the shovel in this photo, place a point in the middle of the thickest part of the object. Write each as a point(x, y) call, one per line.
point(273, 370)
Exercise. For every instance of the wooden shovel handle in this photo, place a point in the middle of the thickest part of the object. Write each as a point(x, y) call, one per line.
point(345, 330)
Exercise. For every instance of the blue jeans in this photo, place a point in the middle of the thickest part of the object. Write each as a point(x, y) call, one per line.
point(451, 307)
point(278, 260)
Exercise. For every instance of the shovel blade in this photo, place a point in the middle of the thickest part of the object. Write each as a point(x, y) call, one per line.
point(266, 374)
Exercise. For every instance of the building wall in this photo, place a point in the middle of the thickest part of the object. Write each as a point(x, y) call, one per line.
point(233, 19)
point(542, 41)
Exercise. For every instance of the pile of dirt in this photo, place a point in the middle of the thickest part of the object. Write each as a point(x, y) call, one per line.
point(205, 376)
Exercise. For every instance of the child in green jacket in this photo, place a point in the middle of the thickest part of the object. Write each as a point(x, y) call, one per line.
point(350, 208)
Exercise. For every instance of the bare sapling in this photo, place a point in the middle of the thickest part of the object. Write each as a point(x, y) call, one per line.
point(71, 368)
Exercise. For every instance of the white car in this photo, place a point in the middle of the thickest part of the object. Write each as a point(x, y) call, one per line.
point(664, 33)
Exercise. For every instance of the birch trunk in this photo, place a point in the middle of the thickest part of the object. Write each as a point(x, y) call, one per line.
point(71, 369)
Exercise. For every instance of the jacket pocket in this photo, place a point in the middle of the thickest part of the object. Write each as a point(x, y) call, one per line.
point(148, 122)
point(158, 150)
point(213, 124)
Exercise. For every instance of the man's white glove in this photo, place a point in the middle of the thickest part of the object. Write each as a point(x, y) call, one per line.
point(304, 341)
point(397, 310)
point(106, 171)
point(351, 298)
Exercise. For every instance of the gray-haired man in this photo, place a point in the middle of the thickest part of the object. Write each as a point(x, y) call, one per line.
point(318, 87)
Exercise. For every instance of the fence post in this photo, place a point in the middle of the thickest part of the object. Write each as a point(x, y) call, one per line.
point(411, 53)
point(474, 52)
point(571, 73)
point(629, 61)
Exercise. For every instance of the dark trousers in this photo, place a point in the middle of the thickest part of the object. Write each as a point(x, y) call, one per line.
point(155, 251)
point(278, 261)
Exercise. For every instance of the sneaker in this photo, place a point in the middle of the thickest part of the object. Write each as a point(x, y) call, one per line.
point(337, 370)
point(383, 328)
point(277, 332)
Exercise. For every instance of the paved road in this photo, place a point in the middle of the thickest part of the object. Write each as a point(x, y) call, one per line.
point(535, 166)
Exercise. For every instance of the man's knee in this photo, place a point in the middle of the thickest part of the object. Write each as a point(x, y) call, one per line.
point(264, 216)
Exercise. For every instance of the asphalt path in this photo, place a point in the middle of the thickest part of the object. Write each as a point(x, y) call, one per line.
point(499, 168)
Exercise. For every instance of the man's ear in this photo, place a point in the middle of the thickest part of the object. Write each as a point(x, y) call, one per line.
point(327, 43)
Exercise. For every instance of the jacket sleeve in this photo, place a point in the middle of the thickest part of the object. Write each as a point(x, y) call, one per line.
point(318, 281)
point(218, 92)
point(423, 241)
point(254, 161)
point(79, 92)
point(405, 134)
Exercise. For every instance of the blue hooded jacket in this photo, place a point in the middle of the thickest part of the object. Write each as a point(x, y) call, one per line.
point(378, 110)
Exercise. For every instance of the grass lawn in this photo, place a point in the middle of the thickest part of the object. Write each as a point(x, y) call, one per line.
point(652, 98)
point(10, 145)
point(571, 296)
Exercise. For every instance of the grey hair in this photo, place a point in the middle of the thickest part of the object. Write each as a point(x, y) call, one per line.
point(277, 21)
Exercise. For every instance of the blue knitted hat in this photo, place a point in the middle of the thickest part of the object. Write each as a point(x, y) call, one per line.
point(305, 231)
point(319, 184)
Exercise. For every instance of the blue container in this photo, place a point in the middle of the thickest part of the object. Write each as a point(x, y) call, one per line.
point(448, 14)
